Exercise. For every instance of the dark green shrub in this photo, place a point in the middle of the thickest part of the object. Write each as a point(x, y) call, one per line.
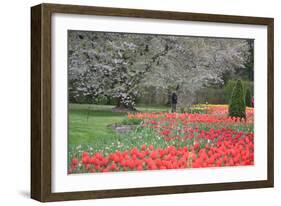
point(212, 95)
point(248, 98)
point(237, 107)
point(131, 121)
point(228, 88)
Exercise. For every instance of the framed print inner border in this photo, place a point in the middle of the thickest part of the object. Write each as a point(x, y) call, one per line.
point(41, 99)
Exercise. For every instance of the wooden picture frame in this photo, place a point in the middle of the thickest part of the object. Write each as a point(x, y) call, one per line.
point(41, 151)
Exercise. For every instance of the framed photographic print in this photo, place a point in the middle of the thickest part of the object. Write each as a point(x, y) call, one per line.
point(130, 102)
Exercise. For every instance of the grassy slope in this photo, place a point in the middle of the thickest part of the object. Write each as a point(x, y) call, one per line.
point(88, 123)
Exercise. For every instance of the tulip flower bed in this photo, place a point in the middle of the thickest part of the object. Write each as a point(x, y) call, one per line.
point(173, 141)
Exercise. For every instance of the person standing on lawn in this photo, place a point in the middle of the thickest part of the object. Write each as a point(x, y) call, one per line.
point(174, 102)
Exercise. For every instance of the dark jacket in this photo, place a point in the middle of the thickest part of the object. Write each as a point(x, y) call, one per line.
point(174, 98)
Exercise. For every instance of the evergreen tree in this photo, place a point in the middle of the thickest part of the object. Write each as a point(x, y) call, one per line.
point(237, 106)
point(248, 98)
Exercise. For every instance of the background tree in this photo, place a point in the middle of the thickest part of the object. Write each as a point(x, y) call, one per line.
point(228, 88)
point(119, 65)
point(195, 63)
point(111, 64)
point(248, 98)
point(237, 107)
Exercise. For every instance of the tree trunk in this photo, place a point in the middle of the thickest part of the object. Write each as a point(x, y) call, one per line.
point(121, 107)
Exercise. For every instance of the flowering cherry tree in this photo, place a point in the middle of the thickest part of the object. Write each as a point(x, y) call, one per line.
point(111, 64)
point(194, 63)
point(117, 65)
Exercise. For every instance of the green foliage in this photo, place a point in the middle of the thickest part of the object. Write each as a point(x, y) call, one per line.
point(131, 121)
point(228, 88)
point(237, 106)
point(210, 95)
point(248, 98)
point(182, 109)
point(220, 94)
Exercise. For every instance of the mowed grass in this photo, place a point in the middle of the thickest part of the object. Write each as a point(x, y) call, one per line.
point(89, 124)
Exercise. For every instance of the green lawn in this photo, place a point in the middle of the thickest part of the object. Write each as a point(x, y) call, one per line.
point(88, 124)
